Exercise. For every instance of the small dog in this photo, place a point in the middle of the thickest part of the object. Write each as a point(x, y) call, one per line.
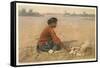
point(75, 51)
point(81, 50)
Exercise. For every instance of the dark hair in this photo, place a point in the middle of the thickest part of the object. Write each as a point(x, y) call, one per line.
point(52, 20)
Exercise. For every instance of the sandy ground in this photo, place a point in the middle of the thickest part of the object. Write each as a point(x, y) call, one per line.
point(69, 28)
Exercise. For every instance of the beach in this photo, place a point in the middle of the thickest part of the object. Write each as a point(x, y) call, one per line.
point(68, 28)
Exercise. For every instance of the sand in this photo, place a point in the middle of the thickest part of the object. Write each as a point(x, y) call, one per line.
point(68, 28)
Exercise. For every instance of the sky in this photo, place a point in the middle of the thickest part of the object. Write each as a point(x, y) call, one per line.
point(43, 9)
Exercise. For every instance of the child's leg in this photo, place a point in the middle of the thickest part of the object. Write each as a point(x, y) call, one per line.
point(56, 47)
point(44, 48)
point(53, 46)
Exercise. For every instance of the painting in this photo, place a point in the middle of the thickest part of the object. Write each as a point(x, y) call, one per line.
point(48, 33)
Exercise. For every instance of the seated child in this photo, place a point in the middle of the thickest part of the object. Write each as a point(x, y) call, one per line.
point(48, 39)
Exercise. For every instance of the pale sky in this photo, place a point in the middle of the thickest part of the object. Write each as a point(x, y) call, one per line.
point(42, 8)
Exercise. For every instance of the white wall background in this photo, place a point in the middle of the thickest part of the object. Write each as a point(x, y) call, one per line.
point(5, 34)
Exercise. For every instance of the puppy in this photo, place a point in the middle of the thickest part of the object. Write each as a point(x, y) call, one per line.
point(82, 50)
point(75, 51)
point(84, 47)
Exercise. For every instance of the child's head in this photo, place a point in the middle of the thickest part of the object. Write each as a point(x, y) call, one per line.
point(52, 22)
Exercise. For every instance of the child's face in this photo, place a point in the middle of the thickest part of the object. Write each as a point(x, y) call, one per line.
point(53, 25)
